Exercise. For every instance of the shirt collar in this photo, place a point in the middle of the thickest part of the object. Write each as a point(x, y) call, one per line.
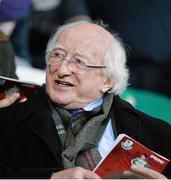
point(98, 102)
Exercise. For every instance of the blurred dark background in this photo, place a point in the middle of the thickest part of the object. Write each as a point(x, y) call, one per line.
point(144, 26)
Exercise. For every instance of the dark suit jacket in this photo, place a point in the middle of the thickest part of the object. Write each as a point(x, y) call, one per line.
point(30, 146)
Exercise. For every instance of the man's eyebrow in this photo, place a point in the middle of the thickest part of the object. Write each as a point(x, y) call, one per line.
point(83, 56)
point(58, 47)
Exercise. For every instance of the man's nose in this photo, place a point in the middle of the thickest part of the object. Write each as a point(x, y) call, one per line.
point(65, 68)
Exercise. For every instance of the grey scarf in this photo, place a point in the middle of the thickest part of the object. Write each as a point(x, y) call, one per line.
point(82, 134)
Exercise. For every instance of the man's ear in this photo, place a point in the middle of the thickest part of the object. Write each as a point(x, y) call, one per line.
point(108, 84)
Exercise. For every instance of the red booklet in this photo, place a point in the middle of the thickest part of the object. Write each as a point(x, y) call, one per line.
point(9, 86)
point(127, 151)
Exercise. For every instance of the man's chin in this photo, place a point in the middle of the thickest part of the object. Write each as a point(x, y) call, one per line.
point(62, 102)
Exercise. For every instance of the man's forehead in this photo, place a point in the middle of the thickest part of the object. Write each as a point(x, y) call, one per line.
point(90, 35)
point(87, 30)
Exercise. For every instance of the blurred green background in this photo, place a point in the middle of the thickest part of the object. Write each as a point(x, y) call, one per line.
point(154, 104)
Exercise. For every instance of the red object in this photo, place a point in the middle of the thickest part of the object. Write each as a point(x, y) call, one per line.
point(9, 86)
point(128, 151)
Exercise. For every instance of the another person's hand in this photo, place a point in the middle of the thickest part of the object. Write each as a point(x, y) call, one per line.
point(147, 173)
point(9, 99)
point(75, 173)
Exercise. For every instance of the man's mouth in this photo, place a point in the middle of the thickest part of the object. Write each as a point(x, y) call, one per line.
point(63, 83)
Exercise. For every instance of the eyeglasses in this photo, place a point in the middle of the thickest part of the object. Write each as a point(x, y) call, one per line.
point(77, 65)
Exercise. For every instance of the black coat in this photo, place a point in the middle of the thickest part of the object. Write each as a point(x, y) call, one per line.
point(30, 146)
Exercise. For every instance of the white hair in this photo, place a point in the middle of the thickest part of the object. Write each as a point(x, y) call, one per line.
point(115, 58)
point(115, 61)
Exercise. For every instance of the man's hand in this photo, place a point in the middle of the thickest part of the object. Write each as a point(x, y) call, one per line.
point(75, 173)
point(147, 173)
point(9, 99)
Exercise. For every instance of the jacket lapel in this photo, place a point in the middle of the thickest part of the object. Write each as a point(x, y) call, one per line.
point(38, 120)
point(43, 126)
point(126, 118)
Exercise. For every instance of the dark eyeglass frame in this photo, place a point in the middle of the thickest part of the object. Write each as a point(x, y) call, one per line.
point(93, 66)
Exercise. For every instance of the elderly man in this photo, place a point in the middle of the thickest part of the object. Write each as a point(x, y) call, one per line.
point(65, 129)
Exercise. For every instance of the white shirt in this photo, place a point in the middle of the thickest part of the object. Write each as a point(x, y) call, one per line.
point(107, 141)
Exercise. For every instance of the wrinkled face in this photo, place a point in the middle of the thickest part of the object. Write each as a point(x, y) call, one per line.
point(68, 86)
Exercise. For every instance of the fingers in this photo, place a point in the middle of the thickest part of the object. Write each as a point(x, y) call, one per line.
point(23, 99)
point(91, 175)
point(130, 175)
point(147, 172)
point(9, 99)
point(75, 173)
